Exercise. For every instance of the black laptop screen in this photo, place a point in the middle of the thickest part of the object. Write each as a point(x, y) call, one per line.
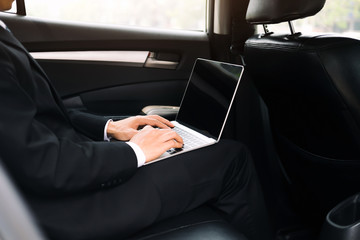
point(208, 96)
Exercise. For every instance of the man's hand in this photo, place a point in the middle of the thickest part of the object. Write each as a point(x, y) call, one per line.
point(154, 142)
point(125, 129)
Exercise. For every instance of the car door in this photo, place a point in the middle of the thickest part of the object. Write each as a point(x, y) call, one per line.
point(110, 69)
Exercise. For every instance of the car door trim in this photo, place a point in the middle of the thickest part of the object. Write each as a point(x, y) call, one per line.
point(128, 58)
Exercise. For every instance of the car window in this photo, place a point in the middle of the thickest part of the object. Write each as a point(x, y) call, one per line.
point(185, 14)
point(13, 8)
point(337, 16)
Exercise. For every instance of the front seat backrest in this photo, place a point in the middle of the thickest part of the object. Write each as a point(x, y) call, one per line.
point(311, 84)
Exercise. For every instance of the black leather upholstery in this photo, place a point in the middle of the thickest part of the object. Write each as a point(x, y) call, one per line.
point(311, 86)
point(200, 224)
point(275, 11)
point(213, 230)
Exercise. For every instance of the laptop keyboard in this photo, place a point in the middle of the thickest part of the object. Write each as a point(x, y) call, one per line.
point(190, 141)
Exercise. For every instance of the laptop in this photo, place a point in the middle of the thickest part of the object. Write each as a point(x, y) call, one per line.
point(205, 105)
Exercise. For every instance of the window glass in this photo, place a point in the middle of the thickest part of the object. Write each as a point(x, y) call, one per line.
point(337, 16)
point(184, 14)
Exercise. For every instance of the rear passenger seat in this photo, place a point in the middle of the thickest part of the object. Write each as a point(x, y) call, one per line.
point(202, 223)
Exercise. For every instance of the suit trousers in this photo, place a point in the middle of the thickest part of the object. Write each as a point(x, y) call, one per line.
point(222, 175)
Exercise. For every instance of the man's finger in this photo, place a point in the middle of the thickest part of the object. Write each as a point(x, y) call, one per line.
point(147, 127)
point(168, 134)
point(151, 121)
point(162, 120)
point(177, 144)
point(158, 121)
point(179, 139)
point(172, 143)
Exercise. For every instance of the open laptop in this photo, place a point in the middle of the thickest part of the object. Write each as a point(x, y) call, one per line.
point(205, 105)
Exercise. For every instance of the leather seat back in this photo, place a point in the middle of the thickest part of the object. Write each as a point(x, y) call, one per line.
point(311, 84)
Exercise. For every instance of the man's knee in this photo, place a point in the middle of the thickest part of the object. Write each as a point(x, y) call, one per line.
point(237, 150)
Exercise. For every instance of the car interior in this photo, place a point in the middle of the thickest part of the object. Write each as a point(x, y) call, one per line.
point(297, 107)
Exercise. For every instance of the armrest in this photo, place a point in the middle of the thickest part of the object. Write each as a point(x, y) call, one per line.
point(168, 112)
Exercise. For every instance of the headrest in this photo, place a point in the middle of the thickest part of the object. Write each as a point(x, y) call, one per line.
point(276, 11)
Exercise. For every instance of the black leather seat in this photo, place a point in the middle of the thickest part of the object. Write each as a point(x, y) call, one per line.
point(200, 224)
point(311, 85)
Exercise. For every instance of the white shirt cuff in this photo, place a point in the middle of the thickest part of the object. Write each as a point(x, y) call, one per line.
point(106, 138)
point(138, 152)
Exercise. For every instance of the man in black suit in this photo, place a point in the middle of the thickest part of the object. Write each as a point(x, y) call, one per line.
point(81, 186)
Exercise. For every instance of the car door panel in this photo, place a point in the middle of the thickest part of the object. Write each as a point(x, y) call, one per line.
point(107, 86)
point(130, 99)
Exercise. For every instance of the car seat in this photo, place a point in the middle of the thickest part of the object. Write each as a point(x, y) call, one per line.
point(311, 86)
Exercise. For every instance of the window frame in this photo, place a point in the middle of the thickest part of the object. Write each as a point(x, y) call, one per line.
point(20, 7)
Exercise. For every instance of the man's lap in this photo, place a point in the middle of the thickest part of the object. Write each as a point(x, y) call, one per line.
point(156, 191)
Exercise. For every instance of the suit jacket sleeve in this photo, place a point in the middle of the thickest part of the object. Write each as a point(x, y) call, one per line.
point(88, 124)
point(48, 163)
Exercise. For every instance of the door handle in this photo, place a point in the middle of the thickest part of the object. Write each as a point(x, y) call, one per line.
point(154, 60)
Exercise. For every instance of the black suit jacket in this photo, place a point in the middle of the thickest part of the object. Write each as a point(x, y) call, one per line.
point(47, 149)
